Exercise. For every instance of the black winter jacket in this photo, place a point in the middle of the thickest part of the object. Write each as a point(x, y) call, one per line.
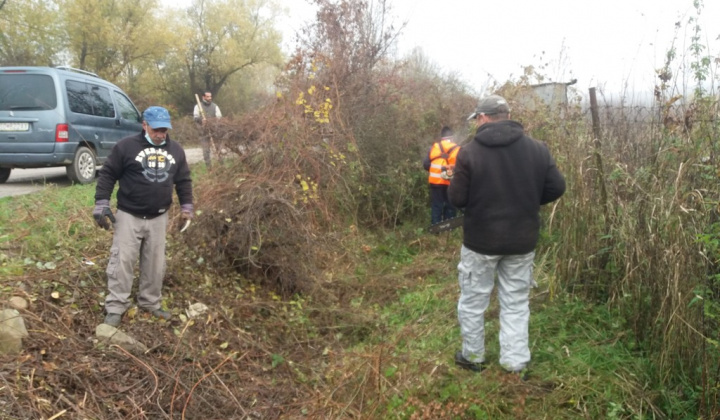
point(501, 178)
point(146, 174)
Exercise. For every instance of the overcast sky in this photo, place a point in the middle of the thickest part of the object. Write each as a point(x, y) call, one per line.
point(603, 43)
point(607, 44)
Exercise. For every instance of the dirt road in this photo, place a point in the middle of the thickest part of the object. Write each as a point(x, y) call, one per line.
point(27, 181)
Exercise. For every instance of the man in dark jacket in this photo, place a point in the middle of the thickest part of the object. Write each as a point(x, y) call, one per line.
point(146, 167)
point(502, 177)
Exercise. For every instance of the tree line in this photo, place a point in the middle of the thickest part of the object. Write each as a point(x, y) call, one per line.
point(158, 54)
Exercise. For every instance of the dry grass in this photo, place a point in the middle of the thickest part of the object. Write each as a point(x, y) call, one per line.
point(636, 246)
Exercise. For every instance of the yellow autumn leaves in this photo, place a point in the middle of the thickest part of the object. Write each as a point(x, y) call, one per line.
point(321, 112)
point(309, 188)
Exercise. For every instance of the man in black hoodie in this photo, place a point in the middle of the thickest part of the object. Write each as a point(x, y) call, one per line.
point(502, 177)
point(146, 167)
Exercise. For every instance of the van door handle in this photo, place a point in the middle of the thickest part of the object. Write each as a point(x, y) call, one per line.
point(117, 121)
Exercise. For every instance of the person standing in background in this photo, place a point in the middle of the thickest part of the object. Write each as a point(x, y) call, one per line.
point(440, 162)
point(205, 114)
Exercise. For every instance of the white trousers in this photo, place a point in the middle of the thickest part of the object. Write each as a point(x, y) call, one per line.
point(476, 273)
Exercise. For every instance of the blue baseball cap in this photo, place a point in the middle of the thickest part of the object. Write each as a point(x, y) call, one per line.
point(157, 117)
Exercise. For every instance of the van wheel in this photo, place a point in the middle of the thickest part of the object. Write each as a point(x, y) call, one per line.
point(82, 169)
point(4, 174)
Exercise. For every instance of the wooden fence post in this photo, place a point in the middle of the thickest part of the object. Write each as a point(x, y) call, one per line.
point(597, 151)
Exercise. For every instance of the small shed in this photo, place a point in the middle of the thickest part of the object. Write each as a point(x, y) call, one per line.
point(552, 94)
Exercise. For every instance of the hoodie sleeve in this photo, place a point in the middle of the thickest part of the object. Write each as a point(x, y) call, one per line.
point(554, 186)
point(183, 180)
point(110, 172)
point(460, 182)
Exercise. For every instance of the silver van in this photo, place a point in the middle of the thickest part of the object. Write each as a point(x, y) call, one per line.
point(61, 117)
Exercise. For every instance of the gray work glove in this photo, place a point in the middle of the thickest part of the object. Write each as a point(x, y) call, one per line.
point(187, 211)
point(102, 213)
point(187, 215)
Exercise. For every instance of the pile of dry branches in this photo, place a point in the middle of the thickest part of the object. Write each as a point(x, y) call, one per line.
point(246, 358)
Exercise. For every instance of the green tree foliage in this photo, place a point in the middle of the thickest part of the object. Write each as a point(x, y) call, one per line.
point(158, 55)
point(29, 33)
point(215, 40)
point(113, 37)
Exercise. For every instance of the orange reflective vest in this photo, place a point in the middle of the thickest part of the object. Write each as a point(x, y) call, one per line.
point(442, 157)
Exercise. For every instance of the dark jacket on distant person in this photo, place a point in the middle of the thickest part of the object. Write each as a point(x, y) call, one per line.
point(146, 174)
point(502, 177)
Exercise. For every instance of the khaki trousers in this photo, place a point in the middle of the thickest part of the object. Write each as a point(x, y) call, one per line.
point(136, 237)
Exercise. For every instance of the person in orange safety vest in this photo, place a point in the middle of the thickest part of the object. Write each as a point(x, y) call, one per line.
point(440, 162)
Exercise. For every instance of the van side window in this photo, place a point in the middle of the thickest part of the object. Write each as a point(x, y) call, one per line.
point(78, 97)
point(126, 108)
point(102, 103)
point(86, 98)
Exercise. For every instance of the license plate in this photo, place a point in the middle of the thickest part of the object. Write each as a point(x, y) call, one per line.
point(14, 126)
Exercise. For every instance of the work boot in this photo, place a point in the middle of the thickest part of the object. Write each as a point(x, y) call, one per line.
point(113, 319)
point(464, 363)
point(523, 374)
point(159, 313)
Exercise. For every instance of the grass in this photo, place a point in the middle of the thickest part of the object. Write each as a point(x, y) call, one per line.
point(583, 361)
point(46, 230)
point(383, 350)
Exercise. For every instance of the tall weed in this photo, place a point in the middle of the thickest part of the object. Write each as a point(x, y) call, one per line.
point(648, 245)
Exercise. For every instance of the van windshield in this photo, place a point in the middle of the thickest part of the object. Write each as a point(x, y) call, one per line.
point(20, 92)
